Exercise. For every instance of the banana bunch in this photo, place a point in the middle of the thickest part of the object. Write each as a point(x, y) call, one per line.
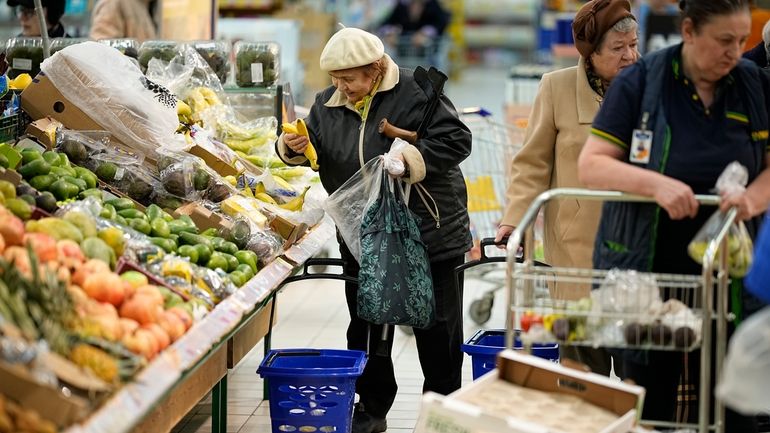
point(242, 139)
point(288, 173)
point(183, 112)
point(301, 129)
point(294, 205)
point(201, 99)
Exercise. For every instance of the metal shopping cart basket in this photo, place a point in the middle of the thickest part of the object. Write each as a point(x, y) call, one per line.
point(622, 315)
point(487, 174)
point(434, 52)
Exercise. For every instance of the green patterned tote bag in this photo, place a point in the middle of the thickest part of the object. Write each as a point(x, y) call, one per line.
point(394, 284)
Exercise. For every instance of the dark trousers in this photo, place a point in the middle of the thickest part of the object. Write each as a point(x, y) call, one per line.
point(439, 347)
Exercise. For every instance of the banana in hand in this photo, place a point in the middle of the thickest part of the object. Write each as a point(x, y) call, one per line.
point(301, 129)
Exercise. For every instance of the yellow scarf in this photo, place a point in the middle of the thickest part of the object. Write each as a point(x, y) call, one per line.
point(362, 106)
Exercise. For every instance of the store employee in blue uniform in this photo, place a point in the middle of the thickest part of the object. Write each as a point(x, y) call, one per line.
point(668, 127)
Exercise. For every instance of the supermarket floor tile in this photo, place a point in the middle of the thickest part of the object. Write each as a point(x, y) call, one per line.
point(313, 314)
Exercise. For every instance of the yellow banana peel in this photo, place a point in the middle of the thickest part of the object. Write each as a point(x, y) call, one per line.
point(281, 182)
point(301, 129)
point(296, 203)
point(210, 96)
point(182, 109)
point(310, 152)
point(263, 196)
point(289, 172)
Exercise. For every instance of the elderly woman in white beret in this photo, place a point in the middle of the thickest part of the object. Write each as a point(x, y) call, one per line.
point(343, 126)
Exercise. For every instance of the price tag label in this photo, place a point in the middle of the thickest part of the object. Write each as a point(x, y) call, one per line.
point(257, 75)
point(22, 64)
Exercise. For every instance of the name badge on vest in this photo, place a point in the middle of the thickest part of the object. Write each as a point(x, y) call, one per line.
point(641, 143)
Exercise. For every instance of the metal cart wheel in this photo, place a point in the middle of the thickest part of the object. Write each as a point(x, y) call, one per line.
point(481, 309)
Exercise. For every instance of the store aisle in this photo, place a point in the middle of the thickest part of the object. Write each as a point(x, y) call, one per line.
point(313, 314)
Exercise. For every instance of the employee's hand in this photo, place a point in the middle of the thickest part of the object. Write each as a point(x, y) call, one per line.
point(747, 209)
point(676, 198)
point(297, 143)
point(503, 232)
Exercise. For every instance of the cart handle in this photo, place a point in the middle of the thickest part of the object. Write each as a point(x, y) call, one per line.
point(584, 194)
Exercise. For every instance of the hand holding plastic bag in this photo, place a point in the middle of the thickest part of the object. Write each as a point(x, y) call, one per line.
point(394, 159)
point(732, 181)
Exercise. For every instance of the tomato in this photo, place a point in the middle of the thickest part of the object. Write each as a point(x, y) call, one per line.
point(529, 319)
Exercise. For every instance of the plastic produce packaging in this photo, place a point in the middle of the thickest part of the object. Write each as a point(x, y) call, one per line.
point(116, 95)
point(216, 54)
point(127, 46)
point(163, 50)
point(628, 292)
point(24, 55)
point(80, 145)
point(257, 64)
point(732, 181)
point(57, 44)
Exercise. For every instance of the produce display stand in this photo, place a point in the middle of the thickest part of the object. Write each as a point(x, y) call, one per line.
point(183, 374)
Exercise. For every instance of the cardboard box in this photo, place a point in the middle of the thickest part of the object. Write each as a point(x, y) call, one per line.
point(213, 161)
point(202, 217)
point(44, 131)
point(19, 385)
point(455, 413)
point(42, 99)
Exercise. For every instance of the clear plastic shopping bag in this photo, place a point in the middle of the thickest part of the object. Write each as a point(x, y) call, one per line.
point(349, 203)
point(740, 252)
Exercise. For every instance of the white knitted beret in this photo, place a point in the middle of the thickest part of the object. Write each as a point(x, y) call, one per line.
point(351, 48)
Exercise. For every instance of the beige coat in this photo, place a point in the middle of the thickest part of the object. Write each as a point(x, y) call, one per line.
point(122, 19)
point(559, 125)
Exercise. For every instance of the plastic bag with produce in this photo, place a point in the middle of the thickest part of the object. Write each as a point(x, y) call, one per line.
point(349, 203)
point(80, 145)
point(740, 252)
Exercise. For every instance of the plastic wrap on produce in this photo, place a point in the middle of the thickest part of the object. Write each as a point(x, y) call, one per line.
point(80, 145)
point(185, 71)
point(188, 177)
point(113, 91)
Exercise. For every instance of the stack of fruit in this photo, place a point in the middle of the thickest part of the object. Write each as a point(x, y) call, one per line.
point(52, 289)
point(206, 106)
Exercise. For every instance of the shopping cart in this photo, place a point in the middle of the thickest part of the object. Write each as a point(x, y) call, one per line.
point(533, 288)
point(487, 173)
point(406, 54)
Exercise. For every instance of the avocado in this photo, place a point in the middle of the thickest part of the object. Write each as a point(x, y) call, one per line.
point(201, 179)
point(174, 181)
point(217, 192)
point(106, 171)
point(47, 202)
point(138, 189)
point(75, 150)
